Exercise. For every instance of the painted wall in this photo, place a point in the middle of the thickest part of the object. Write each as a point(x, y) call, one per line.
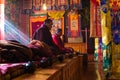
point(16, 23)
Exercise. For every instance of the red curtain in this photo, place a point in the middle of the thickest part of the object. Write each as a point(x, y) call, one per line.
point(35, 26)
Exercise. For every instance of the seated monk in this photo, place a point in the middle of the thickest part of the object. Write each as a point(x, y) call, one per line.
point(43, 34)
point(58, 41)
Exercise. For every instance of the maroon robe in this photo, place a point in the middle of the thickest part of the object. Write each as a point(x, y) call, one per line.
point(44, 34)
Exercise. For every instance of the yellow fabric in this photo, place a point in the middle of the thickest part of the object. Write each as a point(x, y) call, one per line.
point(115, 58)
point(38, 19)
point(98, 2)
point(112, 3)
point(56, 14)
point(74, 17)
point(96, 43)
point(106, 27)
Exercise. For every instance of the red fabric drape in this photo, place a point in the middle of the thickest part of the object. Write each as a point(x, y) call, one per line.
point(35, 26)
point(95, 2)
point(95, 20)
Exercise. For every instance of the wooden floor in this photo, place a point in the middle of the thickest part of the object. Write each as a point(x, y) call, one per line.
point(92, 71)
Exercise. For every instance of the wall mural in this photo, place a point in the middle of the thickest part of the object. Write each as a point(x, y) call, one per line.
point(12, 11)
point(56, 4)
point(51, 4)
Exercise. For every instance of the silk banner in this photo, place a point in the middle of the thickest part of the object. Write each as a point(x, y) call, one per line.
point(106, 27)
point(74, 25)
point(95, 20)
point(106, 38)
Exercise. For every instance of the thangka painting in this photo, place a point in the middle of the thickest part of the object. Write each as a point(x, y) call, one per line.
point(74, 27)
point(74, 24)
point(98, 50)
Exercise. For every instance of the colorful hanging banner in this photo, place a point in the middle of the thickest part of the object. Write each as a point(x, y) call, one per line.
point(106, 27)
point(95, 2)
point(74, 24)
point(106, 34)
point(95, 20)
point(115, 31)
point(96, 49)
